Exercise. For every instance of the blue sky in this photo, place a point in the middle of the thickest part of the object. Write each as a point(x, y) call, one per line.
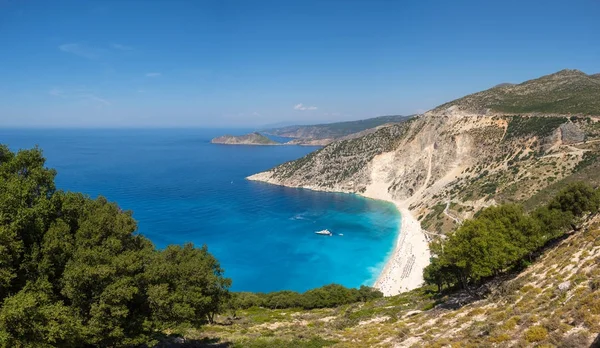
point(245, 63)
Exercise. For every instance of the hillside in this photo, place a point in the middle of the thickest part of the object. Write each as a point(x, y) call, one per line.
point(445, 165)
point(567, 92)
point(553, 303)
point(247, 139)
point(325, 133)
point(468, 161)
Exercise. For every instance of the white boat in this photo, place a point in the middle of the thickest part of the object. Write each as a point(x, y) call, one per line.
point(324, 233)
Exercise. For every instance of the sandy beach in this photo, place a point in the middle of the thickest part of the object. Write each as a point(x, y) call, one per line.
point(403, 271)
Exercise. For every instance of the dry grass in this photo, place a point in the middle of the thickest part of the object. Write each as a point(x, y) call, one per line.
point(527, 311)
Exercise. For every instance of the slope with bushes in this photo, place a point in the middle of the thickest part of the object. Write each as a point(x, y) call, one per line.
point(549, 297)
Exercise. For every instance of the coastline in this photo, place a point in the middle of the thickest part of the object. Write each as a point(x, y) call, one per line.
point(403, 270)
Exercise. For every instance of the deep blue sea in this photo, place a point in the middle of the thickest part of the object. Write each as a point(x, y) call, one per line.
point(182, 188)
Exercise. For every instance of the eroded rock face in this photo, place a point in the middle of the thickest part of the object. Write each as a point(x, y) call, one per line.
point(571, 134)
point(421, 153)
point(452, 155)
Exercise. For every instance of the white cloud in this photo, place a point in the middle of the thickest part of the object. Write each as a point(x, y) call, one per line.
point(255, 113)
point(81, 50)
point(120, 47)
point(302, 107)
point(153, 74)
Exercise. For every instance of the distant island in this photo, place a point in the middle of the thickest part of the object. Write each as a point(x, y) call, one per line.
point(247, 139)
point(314, 135)
point(334, 130)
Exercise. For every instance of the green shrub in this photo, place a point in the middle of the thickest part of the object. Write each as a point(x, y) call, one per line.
point(74, 272)
point(502, 238)
point(536, 334)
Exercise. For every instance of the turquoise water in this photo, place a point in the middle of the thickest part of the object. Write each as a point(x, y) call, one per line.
point(183, 189)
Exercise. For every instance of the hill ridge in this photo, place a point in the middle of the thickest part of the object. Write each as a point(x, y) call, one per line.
point(568, 91)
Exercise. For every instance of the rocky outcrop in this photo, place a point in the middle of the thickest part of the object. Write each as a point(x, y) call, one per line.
point(571, 134)
point(469, 159)
point(411, 159)
point(248, 139)
point(464, 154)
point(466, 151)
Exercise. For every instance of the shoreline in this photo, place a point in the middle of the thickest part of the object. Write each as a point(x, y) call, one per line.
point(403, 269)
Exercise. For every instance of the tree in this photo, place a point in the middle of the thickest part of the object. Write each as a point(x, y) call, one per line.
point(500, 238)
point(578, 198)
point(74, 272)
point(33, 317)
point(25, 213)
point(186, 285)
point(553, 222)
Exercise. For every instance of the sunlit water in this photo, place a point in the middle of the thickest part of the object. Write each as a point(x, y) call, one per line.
point(183, 189)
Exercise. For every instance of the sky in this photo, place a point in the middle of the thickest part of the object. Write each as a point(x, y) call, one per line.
point(224, 63)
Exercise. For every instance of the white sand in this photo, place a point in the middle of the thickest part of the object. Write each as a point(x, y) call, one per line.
point(403, 271)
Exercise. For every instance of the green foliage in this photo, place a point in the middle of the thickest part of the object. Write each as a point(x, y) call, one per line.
point(187, 285)
point(577, 198)
point(34, 318)
point(435, 213)
point(587, 174)
point(328, 296)
point(341, 157)
point(566, 92)
point(536, 334)
point(335, 130)
point(501, 238)
point(73, 272)
point(553, 221)
point(588, 159)
point(532, 126)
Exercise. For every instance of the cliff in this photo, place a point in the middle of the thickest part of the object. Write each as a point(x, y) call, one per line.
point(448, 163)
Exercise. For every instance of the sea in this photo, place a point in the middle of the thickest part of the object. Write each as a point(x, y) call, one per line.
point(181, 188)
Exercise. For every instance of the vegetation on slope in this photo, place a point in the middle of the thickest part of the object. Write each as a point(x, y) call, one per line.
point(540, 127)
point(334, 130)
point(553, 302)
point(502, 238)
point(565, 92)
point(327, 296)
point(343, 159)
point(73, 272)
